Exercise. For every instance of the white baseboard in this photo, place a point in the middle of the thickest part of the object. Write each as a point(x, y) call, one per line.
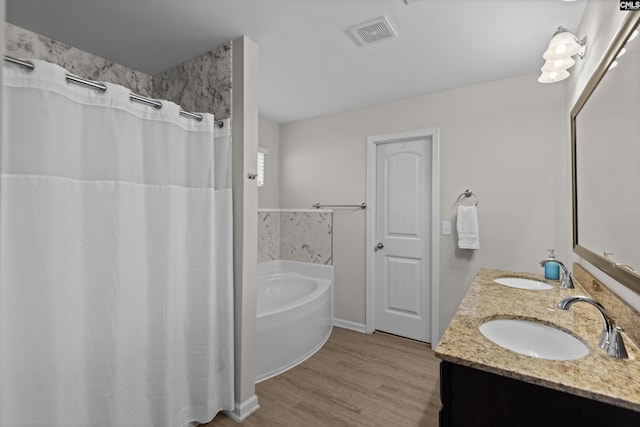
point(358, 327)
point(244, 409)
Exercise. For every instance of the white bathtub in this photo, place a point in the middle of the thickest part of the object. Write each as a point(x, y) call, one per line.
point(294, 315)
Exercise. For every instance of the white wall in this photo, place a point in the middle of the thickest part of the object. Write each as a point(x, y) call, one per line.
point(269, 138)
point(601, 21)
point(505, 140)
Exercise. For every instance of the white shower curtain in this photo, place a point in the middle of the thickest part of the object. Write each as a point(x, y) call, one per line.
point(115, 259)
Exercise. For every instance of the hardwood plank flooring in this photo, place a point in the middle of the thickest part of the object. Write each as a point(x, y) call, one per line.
point(354, 380)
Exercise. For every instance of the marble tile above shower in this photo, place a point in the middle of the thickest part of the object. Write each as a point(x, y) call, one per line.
point(22, 43)
point(201, 84)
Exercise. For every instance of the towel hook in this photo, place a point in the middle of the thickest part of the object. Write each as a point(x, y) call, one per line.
point(467, 194)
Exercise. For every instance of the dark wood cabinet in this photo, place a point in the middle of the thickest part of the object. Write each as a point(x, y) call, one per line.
point(475, 398)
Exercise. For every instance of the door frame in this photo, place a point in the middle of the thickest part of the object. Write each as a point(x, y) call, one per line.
point(372, 143)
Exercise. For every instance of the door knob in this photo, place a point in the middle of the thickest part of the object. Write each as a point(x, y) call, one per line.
point(379, 246)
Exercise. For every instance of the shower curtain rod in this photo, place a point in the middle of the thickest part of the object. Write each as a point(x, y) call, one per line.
point(102, 88)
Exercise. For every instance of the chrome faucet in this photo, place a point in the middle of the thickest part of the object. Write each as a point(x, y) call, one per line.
point(610, 340)
point(566, 281)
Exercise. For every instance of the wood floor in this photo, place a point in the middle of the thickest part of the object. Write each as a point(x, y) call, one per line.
point(354, 380)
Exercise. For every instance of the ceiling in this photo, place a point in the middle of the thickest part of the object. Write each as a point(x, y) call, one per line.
point(309, 63)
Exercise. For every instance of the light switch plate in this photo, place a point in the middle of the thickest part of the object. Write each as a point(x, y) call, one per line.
point(446, 228)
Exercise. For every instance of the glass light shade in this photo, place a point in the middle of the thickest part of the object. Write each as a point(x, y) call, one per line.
point(558, 64)
point(562, 45)
point(553, 76)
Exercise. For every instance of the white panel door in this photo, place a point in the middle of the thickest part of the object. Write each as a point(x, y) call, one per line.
point(402, 298)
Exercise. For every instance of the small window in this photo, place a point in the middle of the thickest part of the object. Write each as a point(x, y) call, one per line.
point(261, 153)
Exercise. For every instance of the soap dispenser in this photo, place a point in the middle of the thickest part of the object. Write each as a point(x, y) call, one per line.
point(551, 269)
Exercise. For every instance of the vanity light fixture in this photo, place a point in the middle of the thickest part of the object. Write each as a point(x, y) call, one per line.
point(559, 55)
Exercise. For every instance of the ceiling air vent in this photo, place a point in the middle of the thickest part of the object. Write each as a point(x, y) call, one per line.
point(373, 31)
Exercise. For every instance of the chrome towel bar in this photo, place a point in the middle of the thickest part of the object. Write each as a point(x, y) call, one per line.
point(361, 206)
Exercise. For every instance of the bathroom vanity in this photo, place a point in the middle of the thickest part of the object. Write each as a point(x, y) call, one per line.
point(485, 384)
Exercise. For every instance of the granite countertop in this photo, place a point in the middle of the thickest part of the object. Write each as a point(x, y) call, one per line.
point(596, 376)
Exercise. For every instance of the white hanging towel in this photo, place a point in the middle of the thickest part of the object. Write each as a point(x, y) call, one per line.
point(468, 231)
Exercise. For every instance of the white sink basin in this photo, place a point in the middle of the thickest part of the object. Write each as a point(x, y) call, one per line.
point(517, 282)
point(534, 339)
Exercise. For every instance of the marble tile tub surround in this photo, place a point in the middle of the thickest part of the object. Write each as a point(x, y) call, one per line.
point(296, 235)
point(22, 43)
point(595, 376)
point(625, 316)
point(268, 236)
point(201, 84)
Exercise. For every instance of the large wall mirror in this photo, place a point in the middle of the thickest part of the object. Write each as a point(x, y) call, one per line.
point(605, 137)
